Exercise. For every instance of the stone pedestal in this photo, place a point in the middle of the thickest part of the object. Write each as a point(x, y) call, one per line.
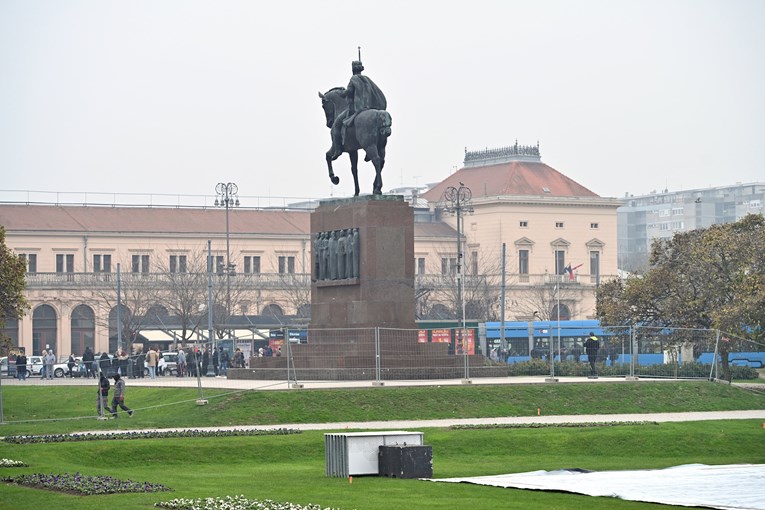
point(379, 291)
point(362, 279)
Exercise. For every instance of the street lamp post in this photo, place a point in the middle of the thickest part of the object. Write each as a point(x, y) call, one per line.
point(227, 196)
point(459, 199)
point(552, 377)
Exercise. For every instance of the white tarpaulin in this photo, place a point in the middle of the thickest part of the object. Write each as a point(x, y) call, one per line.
point(729, 487)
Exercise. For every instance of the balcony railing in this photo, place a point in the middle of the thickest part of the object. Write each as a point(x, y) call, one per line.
point(290, 280)
point(105, 280)
point(511, 280)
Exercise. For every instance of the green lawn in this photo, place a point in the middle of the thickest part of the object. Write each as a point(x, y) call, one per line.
point(291, 467)
point(174, 407)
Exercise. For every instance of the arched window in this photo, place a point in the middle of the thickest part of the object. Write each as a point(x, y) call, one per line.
point(156, 313)
point(83, 330)
point(440, 311)
point(272, 310)
point(44, 330)
point(565, 313)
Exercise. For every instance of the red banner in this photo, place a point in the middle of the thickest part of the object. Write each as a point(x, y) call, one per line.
point(441, 335)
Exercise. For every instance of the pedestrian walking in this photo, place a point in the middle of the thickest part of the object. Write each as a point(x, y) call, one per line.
point(102, 403)
point(591, 348)
point(118, 397)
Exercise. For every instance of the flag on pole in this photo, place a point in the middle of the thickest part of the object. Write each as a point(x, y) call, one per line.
point(570, 270)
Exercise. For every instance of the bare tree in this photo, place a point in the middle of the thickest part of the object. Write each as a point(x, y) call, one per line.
point(184, 293)
point(140, 291)
point(296, 289)
point(542, 301)
point(233, 296)
point(481, 287)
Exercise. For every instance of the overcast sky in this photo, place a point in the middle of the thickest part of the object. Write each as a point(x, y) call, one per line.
point(171, 97)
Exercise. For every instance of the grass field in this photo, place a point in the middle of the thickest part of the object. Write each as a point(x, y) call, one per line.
point(291, 467)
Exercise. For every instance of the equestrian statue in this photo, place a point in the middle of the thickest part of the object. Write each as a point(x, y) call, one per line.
point(357, 119)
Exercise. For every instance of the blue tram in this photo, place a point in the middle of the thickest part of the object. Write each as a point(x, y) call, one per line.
point(564, 340)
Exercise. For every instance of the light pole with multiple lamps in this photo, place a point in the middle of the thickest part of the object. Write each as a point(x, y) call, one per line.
point(227, 196)
point(459, 199)
point(552, 377)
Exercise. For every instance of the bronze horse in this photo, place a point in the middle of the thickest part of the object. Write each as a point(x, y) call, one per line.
point(369, 131)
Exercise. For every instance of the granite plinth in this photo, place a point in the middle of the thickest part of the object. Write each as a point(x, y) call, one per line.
point(383, 293)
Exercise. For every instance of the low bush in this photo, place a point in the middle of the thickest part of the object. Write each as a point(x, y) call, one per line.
point(669, 370)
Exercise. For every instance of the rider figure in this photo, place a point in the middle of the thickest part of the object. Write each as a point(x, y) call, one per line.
point(362, 94)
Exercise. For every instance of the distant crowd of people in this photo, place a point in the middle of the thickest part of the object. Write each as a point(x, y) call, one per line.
point(189, 362)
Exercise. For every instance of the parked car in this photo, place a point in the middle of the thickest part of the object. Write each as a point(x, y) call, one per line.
point(171, 362)
point(36, 362)
point(61, 369)
point(34, 365)
point(4, 367)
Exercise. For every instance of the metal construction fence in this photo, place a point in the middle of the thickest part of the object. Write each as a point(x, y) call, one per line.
point(379, 354)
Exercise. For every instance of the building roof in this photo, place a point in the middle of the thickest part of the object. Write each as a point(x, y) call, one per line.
point(433, 229)
point(511, 178)
point(147, 220)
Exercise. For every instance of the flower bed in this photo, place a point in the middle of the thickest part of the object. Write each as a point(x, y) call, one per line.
point(11, 463)
point(62, 438)
point(234, 503)
point(83, 485)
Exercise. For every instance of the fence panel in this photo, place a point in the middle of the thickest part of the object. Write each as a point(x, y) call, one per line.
point(326, 354)
point(380, 354)
point(447, 353)
point(736, 358)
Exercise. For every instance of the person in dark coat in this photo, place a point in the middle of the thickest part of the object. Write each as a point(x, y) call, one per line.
point(591, 348)
point(205, 362)
point(21, 367)
point(70, 364)
point(140, 363)
point(104, 363)
point(192, 363)
point(102, 404)
point(87, 359)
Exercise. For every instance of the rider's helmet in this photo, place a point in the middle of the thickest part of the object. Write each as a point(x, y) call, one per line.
point(357, 66)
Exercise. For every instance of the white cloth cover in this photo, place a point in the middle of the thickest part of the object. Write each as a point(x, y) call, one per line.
point(727, 487)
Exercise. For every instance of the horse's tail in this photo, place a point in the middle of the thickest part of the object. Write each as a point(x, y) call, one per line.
point(385, 122)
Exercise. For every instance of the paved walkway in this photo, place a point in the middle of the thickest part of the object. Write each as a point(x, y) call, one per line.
point(502, 420)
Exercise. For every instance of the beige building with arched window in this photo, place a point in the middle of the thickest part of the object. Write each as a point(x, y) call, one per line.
point(559, 238)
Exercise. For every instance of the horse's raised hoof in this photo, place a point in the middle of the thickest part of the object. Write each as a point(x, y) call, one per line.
point(335, 179)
